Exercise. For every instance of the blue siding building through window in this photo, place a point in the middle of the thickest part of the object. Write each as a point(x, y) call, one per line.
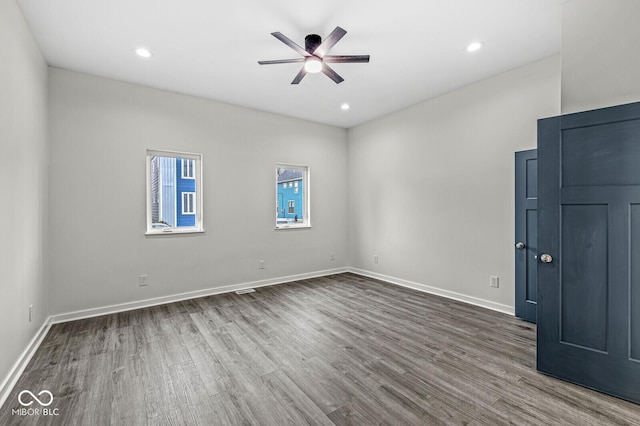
point(168, 186)
point(185, 186)
point(290, 194)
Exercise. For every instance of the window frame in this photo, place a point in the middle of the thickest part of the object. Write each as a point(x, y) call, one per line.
point(305, 220)
point(197, 197)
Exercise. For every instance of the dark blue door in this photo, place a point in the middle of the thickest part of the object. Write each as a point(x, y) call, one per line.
point(589, 237)
point(526, 247)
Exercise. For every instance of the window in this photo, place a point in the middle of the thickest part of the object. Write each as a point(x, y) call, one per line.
point(188, 166)
point(174, 192)
point(188, 202)
point(292, 196)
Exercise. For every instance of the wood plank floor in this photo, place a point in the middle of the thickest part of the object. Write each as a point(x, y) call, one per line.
point(338, 350)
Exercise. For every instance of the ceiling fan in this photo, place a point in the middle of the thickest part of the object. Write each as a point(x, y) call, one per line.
point(314, 55)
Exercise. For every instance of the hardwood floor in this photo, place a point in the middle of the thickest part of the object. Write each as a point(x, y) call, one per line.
point(338, 350)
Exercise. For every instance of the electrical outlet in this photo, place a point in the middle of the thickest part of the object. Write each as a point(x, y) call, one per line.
point(332, 256)
point(494, 281)
point(375, 258)
point(261, 264)
point(143, 280)
point(30, 313)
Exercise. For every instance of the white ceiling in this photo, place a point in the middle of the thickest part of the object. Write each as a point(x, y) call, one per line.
point(210, 48)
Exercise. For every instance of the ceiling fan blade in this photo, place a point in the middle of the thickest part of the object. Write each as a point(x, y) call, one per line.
point(299, 76)
point(281, 61)
point(292, 44)
point(331, 74)
point(329, 42)
point(346, 58)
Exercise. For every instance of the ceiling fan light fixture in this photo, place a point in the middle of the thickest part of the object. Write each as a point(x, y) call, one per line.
point(312, 64)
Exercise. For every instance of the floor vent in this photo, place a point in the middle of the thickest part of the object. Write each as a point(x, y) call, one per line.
point(245, 291)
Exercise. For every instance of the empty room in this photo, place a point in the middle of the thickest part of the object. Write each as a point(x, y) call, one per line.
point(331, 213)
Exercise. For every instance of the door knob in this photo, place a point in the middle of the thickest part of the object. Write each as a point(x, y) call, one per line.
point(520, 245)
point(546, 258)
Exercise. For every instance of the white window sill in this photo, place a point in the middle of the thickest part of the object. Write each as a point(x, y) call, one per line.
point(283, 227)
point(176, 231)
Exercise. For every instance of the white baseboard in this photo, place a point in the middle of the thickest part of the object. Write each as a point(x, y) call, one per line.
point(122, 307)
point(506, 309)
point(16, 371)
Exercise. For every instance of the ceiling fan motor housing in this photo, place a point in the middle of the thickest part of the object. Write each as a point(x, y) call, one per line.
point(311, 42)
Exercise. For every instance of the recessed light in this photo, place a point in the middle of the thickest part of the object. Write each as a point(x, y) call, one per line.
point(345, 106)
point(143, 52)
point(472, 47)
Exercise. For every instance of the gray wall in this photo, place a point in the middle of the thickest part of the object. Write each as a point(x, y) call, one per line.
point(23, 186)
point(100, 130)
point(600, 60)
point(432, 187)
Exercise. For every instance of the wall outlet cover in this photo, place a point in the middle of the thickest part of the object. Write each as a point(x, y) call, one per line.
point(494, 281)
